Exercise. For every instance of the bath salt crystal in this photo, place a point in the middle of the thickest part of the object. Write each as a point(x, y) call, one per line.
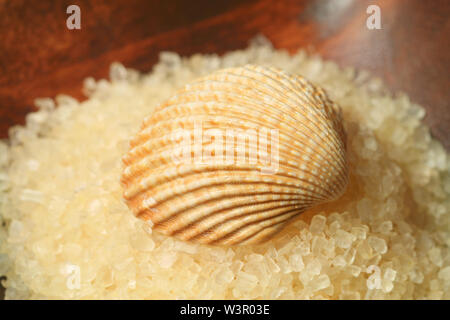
point(377, 244)
point(142, 242)
point(47, 104)
point(117, 72)
point(359, 232)
point(303, 248)
point(224, 276)
point(385, 227)
point(33, 164)
point(370, 143)
point(314, 267)
point(354, 270)
point(435, 256)
point(390, 274)
point(277, 292)
point(434, 285)
point(16, 232)
point(30, 195)
point(318, 223)
point(95, 206)
point(246, 281)
point(444, 274)
point(319, 245)
point(167, 259)
point(320, 283)
point(189, 248)
point(296, 262)
point(170, 59)
point(343, 239)
point(132, 284)
point(416, 276)
point(339, 261)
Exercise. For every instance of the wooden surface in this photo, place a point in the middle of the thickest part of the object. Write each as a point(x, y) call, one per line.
point(39, 56)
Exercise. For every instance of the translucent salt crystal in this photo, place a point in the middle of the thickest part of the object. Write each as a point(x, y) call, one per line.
point(318, 223)
point(117, 72)
point(370, 143)
point(354, 270)
point(95, 206)
point(296, 262)
point(89, 86)
point(170, 59)
point(237, 265)
point(284, 264)
point(31, 196)
point(47, 104)
point(34, 120)
point(167, 259)
point(277, 292)
point(334, 227)
point(385, 227)
point(33, 164)
point(320, 283)
point(314, 267)
point(416, 276)
point(224, 276)
point(435, 256)
point(359, 232)
point(3, 263)
point(434, 285)
point(4, 154)
point(286, 248)
point(260, 41)
point(65, 100)
point(132, 284)
point(318, 245)
point(16, 232)
point(189, 248)
point(390, 274)
point(377, 244)
point(399, 135)
point(274, 267)
point(247, 280)
point(339, 261)
point(444, 274)
point(142, 242)
point(303, 248)
point(343, 239)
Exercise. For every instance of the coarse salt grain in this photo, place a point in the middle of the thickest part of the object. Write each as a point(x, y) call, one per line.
point(368, 249)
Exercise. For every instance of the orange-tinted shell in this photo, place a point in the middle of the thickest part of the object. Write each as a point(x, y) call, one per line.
point(238, 195)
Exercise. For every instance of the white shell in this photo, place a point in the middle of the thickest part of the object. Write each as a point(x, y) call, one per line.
point(236, 200)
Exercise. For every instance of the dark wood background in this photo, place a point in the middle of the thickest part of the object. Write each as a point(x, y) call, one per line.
point(40, 57)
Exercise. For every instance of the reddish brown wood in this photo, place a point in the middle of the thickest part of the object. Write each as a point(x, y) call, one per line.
point(39, 56)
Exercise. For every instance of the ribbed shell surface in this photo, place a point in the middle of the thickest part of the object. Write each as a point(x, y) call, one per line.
point(235, 202)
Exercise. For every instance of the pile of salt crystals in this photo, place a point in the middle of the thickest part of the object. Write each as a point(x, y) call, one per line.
point(67, 234)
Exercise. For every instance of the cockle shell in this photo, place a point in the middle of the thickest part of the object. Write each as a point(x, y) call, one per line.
point(242, 199)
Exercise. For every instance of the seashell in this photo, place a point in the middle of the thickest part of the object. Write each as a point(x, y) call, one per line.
point(233, 157)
